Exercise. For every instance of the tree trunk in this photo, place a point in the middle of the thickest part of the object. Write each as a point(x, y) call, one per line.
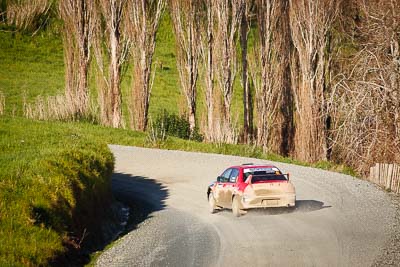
point(287, 129)
point(192, 118)
point(227, 112)
point(115, 78)
point(142, 93)
point(247, 107)
point(82, 93)
point(210, 73)
point(310, 134)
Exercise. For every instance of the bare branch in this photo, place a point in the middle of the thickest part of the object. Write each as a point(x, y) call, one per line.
point(187, 31)
point(80, 21)
point(143, 21)
point(228, 15)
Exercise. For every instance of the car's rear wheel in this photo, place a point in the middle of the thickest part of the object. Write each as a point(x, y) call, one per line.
point(211, 202)
point(236, 207)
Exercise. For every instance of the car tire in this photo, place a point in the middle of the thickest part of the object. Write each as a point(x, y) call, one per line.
point(211, 202)
point(236, 207)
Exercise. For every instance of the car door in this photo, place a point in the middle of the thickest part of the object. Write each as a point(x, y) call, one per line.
point(230, 186)
point(220, 188)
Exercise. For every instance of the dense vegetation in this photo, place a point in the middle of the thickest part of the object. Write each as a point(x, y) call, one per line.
point(54, 189)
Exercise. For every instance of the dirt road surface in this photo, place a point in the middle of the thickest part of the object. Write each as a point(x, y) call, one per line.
point(338, 221)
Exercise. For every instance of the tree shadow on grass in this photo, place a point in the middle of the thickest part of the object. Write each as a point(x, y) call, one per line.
point(143, 195)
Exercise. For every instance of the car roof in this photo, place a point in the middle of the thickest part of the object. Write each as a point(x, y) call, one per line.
point(252, 166)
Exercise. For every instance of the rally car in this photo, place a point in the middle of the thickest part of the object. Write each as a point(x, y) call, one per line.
point(251, 186)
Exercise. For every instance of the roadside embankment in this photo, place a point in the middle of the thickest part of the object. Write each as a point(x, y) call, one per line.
point(54, 190)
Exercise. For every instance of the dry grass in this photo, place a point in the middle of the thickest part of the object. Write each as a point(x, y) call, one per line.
point(26, 14)
point(59, 107)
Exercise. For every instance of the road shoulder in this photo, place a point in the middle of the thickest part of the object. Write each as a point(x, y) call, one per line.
point(390, 254)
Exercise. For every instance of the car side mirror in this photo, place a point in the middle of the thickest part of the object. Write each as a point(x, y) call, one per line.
point(287, 176)
point(219, 179)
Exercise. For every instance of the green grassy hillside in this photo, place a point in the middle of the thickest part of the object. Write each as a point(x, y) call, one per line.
point(34, 65)
point(52, 181)
point(29, 67)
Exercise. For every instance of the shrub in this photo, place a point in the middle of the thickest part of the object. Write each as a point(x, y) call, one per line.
point(177, 126)
point(156, 134)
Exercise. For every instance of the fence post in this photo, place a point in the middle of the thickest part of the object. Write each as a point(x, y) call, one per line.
point(397, 179)
point(386, 175)
point(388, 181)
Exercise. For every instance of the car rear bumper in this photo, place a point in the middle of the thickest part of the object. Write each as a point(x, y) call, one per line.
point(282, 200)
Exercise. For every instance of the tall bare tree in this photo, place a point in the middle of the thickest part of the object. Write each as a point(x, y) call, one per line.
point(268, 67)
point(310, 23)
point(207, 54)
point(281, 128)
point(187, 30)
point(228, 15)
point(110, 95)
point(144, 17)
point(80, 21)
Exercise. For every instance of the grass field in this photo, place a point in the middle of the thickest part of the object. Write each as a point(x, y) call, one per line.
point(29, 67)
point(33, 66)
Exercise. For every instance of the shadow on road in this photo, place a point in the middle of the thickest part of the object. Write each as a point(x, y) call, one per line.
point(142, 194)
point(309, 205)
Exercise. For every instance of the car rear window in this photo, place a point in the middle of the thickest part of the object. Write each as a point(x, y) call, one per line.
point(261, 171)
point(268, 177)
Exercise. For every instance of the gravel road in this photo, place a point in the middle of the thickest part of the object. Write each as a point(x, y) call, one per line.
point(338, 221)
